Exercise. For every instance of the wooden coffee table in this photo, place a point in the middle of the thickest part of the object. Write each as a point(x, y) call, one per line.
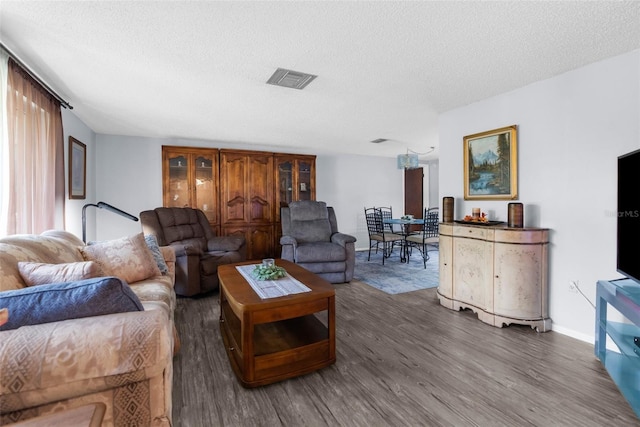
point(269, 340)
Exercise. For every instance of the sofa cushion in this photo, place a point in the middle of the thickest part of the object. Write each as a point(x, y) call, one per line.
point(308, 210)
point(38, 273)
point(210, 261)
point(71, 300)
point(119, 359)
point(156, 293)
point(128, 258)
point(322, 252)
point(225, 243)
point(47, 248)
point(318, 230)
point(310, 221)
point(182, 224)
point(152, 244)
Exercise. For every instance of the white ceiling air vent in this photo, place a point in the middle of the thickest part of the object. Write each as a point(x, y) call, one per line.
point(290, 78)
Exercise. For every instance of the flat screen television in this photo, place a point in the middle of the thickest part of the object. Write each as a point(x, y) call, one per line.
point(628, 242)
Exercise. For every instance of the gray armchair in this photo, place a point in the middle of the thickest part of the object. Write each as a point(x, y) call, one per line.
point(198, 251)
point(310, 238)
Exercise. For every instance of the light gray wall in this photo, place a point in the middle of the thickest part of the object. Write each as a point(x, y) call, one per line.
point(351, 183)
point(571, 129)
point(129, 176)
point(73, 208)
point(432, 184)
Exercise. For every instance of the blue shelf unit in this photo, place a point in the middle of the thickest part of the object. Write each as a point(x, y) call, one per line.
point(623, 367)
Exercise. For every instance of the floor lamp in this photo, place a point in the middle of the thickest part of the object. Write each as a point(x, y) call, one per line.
point(101, 205)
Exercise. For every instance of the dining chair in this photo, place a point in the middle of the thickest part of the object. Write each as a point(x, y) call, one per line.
point(387, 213)
point(432, 224)
point(379, 235)
point(430, 235)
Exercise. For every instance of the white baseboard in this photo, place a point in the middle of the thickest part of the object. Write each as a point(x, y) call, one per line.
point(584, 337)
point(573, 334)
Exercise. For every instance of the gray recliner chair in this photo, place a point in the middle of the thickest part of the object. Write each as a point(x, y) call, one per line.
point(198, 251)
point(310, 238)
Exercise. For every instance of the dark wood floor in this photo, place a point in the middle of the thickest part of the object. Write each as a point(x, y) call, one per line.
point(401, 360)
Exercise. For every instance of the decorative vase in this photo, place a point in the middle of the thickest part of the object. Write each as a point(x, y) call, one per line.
point(515, 215)
point(447, 209)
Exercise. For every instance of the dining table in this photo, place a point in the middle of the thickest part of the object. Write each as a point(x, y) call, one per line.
point(405, 231)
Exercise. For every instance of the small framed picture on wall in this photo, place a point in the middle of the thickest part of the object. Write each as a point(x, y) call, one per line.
point(77, 169)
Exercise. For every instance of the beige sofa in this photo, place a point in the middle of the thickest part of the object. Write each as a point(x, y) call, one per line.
point(123, 360)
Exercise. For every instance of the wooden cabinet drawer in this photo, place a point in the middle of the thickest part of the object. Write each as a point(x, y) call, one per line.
point(480, 233)
point(445, 229)
point(521, 236)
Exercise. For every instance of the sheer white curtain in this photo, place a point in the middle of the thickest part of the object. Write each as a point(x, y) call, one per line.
point(33, 172)
point(4, 143)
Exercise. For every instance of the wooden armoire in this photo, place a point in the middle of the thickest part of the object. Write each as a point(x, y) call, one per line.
point(240, 191)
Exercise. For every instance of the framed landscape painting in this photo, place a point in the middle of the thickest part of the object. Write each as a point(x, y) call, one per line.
point(491, 165)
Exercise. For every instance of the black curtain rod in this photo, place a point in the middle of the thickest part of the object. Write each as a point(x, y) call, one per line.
point(34, 76)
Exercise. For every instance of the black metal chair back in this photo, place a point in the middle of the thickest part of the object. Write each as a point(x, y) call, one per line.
point(428, 236)
point(387, 213)
point(378, 234)
point(431, 222)
point(373, 225)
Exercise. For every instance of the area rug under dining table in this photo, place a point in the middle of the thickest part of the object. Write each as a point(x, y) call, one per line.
point(395, 277)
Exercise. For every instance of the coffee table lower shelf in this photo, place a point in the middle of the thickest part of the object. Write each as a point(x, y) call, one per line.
point(282, 350)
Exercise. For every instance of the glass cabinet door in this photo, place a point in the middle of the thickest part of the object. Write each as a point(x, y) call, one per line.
point(205, 186)
point(178, 181)
point(285, 184)
point(304, 181)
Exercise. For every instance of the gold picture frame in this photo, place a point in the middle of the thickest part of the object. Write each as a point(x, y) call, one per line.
point(491, 165)
point(77, 169)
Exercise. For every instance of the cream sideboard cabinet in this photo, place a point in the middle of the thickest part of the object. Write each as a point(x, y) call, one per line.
point(500, 273)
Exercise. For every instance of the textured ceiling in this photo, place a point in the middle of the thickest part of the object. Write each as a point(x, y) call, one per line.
point(196, 69)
